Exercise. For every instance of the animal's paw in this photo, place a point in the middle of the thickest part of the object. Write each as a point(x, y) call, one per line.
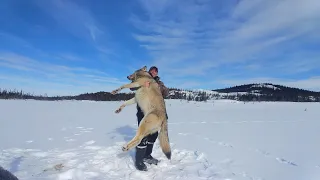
point(125, 148)
point(118, 110)
point(115, 91)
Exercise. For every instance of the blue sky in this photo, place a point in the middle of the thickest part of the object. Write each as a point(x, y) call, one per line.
point(65, 47)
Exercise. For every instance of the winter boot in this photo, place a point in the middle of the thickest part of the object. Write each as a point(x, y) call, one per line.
point(140, 153)
point(148, 158)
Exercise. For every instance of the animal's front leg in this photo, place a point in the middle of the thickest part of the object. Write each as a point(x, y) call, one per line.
point(131, 85)
point(126, 103)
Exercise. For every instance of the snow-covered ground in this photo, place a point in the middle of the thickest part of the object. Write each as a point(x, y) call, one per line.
point(214, 140)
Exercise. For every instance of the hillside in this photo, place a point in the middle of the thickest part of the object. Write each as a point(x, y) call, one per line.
point(267, 88)
point(271, 92)
point(249, 92)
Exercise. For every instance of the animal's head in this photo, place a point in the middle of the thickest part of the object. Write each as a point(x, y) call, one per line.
point(142, 72)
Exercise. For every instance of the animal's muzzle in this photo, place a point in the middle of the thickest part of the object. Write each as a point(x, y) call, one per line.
point(130, 77)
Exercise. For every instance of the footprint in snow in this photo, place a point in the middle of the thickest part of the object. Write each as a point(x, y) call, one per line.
point(225, 144)
point(281, 160)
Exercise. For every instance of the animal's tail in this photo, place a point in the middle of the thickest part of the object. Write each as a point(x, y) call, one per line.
point(164, 139)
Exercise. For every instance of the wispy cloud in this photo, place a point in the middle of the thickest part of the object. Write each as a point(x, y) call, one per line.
point(194, 38)
point(39, 86)
point(69, 55)
point(39, 73)
point(195, 43)
point(22, 46)
point(11, 41)
point(78, 20)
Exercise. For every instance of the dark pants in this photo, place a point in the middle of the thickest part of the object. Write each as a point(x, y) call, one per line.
point(150, 139)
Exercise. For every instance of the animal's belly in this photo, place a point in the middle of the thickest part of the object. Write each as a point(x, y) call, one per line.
point(144, 102)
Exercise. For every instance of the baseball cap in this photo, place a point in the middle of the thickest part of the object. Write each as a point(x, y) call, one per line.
point(153, 67)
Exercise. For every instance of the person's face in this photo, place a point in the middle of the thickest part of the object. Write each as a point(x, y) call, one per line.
point(154, 73)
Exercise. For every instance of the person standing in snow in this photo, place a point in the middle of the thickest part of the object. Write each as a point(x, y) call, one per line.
point(144, 149)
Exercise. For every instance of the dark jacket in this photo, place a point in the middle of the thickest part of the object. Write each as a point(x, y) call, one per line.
point(163, 88)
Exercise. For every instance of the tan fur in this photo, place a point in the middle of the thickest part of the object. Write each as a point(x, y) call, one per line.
point(152, 105)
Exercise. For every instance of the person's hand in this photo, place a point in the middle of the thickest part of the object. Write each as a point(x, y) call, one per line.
point(147, 84)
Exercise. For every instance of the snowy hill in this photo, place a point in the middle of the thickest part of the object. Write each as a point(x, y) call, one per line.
point(262, 88)
point(249, 92)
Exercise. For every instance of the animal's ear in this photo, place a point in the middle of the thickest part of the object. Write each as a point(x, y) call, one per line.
point(144, 68)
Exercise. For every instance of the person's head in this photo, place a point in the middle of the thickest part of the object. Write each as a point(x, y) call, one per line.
point(153, 71)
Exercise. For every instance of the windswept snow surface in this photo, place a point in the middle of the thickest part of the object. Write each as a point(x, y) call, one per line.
point(220, 140)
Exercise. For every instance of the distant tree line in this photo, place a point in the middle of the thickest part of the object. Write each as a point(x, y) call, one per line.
point(98, 96)
point(189, 95)
point(288, 98)
point(248, 92)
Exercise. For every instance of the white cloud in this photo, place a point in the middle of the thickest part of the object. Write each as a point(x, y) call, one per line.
point(279, 18)
point(189, 38)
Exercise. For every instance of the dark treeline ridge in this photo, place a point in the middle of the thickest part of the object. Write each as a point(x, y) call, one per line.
point(270, 92)
point(246, 92)
point(268, 88)
point(98, 96)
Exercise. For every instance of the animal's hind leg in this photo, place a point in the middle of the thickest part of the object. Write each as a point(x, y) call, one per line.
point(149, 124)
